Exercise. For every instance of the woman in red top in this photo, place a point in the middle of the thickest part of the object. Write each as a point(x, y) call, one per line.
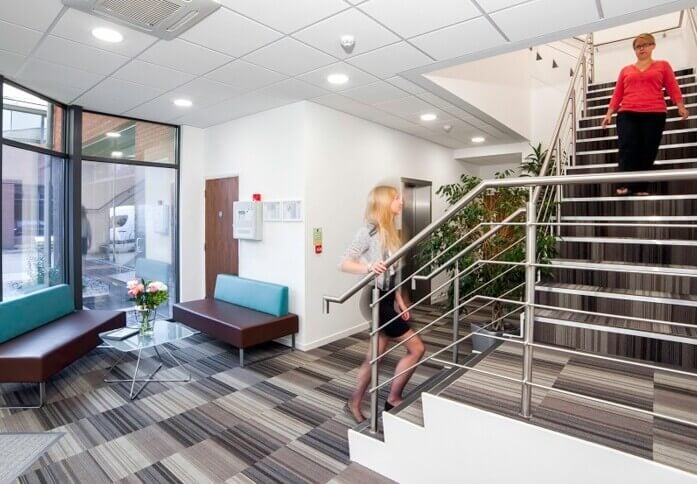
point(642, 110)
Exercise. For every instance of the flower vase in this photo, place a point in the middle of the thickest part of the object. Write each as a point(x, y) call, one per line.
point(147, 319)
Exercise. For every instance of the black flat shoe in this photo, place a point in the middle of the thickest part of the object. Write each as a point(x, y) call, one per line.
point(388, 406)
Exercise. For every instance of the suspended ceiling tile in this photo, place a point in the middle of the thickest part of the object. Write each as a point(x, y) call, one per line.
point(38, 70)
point(184, 56)
point(55, 90)
point(234, 108)
point(541, 17)
point(410, 107)
point(391, 60)
point(463, 38)
point(614, 8)
point(494, 5)
point(116, 96)
point(77, 26)
point(413, 17)
point(405, 85)
point(203, 92)
point(230, 33)
point(80, 56)
point(10, 63)
point(17, 39)
point(34, 14)
point(336, 101)
point(289, 57)
point(326, 35)
point(286, 16)
point(152, 75)
point(245, 76)
point(161, 109)
point(447, 141)
point(318, 77)
point(377, 92)
point(292, 90)
point(435, 100)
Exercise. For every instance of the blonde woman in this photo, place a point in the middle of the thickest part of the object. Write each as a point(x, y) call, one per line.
point(371, 246)
point(638, 98)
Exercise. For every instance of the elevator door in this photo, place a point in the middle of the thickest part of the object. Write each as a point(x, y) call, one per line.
point(416, 216)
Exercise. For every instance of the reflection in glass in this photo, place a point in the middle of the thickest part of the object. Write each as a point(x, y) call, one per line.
point(121, 138)
point(30, 119)
point(129, 214)
point(33, 221)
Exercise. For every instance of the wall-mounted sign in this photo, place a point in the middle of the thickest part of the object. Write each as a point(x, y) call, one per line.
point(317, 239)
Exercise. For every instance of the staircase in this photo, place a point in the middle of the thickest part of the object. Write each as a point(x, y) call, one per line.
point(623, 285)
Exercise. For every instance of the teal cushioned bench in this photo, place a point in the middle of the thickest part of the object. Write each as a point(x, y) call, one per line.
point(257, 295)
point(152, 270)
point(21, 315)
point(242, 312)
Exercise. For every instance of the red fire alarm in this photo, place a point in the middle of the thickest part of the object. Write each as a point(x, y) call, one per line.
point(256, 197)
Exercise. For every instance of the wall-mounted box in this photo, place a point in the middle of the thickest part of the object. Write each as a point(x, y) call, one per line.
point(247, 220)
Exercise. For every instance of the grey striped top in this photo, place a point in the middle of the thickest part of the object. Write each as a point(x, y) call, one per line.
point(366, 247)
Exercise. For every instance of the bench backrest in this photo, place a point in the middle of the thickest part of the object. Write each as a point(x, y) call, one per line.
point(152, 270)
point(257, 295)
point(21, 315)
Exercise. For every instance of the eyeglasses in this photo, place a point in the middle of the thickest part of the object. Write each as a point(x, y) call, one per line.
point(643, 46)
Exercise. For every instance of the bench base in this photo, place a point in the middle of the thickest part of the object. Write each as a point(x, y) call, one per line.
point(292, 348)
point(42, 397)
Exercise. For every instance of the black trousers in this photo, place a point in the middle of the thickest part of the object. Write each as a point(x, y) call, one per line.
point(639, 135)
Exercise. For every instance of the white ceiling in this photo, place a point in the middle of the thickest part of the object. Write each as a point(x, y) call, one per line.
point(254, 55)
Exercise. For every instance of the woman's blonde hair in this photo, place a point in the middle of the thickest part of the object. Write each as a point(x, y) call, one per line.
point(379, 212)
point(647, 37)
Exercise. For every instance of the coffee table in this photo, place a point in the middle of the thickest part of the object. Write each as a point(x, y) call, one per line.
point(164, 332)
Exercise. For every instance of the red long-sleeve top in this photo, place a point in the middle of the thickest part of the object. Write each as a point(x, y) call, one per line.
point(643, 91)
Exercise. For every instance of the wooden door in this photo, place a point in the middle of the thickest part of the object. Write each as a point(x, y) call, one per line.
point(221, 249)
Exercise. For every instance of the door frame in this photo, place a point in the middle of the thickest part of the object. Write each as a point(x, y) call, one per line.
point(419, 183)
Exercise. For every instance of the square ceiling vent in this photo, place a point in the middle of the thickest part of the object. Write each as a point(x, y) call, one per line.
point(165, 19)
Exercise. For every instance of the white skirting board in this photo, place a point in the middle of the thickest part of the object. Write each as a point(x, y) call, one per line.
point(463, 444)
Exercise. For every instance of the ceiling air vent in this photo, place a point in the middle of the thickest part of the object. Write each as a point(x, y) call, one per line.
point(165, 19)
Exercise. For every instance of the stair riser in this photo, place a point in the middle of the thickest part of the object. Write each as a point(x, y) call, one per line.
point(647, 233)
point(598, 342)
point(667, 153)
point(595, 122)
point(604, 133)
point(604, 101)
point(630, 208)
point(605, 85)
point(610, 144)
point(626, 280)
point(675, 187)
point(601, 109)
point(620, 307)
point(629, 253)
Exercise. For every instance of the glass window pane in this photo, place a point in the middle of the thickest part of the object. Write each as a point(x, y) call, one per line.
point(120, 138)
point(129, 227)
point(30, 119)
point(33, 221)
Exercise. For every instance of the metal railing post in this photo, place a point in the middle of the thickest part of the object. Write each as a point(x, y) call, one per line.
point(574, 127)
point(530, 260)
point(584, 72)
point(373, 356)
point(557, 198)
point(456, 312)
point(592, 56)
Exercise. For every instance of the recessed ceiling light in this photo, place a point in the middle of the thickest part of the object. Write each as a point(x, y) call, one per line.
point(113, 134)
point(107, 35)
point(428, 117)
point(183, 103)
point(337, 79)
point(116, 154)
point(478, 139)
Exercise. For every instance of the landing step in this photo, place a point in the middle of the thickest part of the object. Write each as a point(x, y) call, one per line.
point(629, 240)
point(611, 165)
point(631, 198)
point(665, 332)
point(681, 270)
point(655, 297)
point(633, 218)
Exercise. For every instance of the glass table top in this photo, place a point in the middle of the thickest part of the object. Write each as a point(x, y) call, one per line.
point(164, 332)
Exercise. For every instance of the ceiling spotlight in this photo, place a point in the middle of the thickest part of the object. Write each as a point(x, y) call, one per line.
point(538, 56)
point(478, 139)
point(337, 79)
point(117, 154)
point(107, 35)
point(183, 103)
point(571, 72)
point(428, 117)
point(113, 134)
point(447, 128)
point(554, 64)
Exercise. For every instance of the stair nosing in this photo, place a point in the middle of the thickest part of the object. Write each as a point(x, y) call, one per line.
point(614, 137)
point(631, 198)
point(608, 82)
point(631, 218)
point(649, 269)
point(595, 98)
point(615, 150)
point(607, 294)
point(628, 240)
point(586, 118)
point(609, 165)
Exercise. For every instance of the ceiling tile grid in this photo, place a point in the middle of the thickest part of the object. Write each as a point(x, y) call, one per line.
point(460, 39)
point(289, 57)
point(184, 56)
point(80, 56)
point(18, 39)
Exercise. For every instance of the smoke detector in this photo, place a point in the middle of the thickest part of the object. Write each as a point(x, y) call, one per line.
point(164, 19)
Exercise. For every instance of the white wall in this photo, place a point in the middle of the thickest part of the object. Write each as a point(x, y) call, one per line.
point(346, 157)
point(498, 86)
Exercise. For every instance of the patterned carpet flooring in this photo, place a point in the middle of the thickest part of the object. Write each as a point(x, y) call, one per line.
point(281, 419)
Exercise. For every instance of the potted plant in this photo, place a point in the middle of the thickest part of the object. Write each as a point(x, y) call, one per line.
point(507, 245)
point(147, 296)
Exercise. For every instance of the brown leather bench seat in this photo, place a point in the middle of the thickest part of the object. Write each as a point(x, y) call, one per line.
point(35, 356)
